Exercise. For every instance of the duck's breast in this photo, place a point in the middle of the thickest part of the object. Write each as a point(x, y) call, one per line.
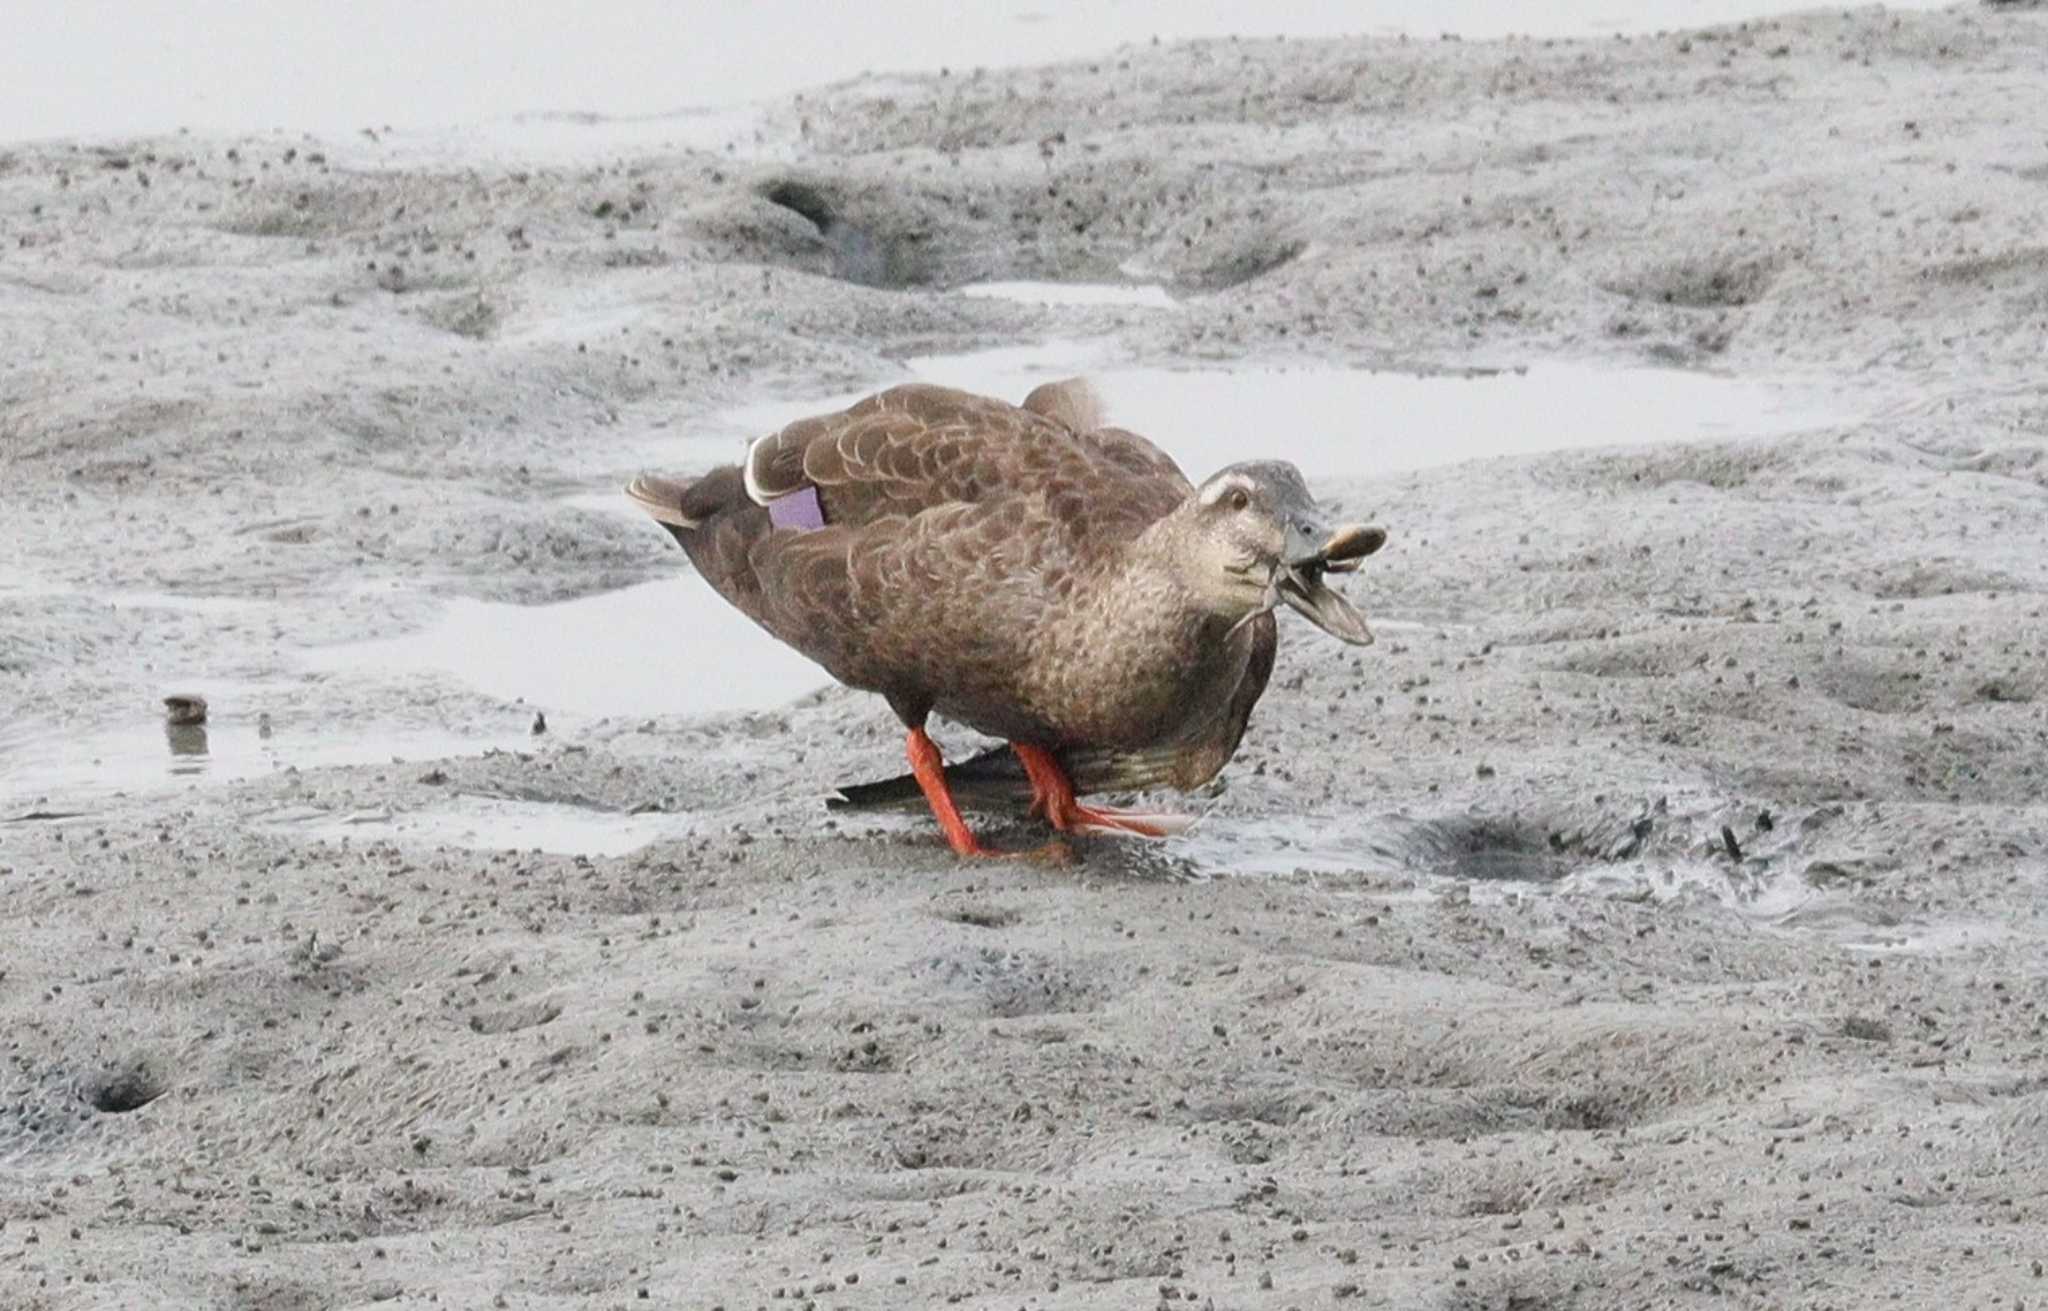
point(1128, 668)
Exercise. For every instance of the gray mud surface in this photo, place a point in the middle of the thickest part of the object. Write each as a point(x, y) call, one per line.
point(1461, 1000)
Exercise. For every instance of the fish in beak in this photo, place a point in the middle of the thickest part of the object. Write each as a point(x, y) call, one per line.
point(1314, 550)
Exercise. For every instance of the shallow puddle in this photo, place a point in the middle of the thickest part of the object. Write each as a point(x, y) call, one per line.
point(662, 648)
point(490, 824)
point(1456, 856)
point(1235, 846)
point(1135, 295)
point(1337, 422)
point(42, 762)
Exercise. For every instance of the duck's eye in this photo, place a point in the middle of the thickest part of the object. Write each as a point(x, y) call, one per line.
point(1237, 498)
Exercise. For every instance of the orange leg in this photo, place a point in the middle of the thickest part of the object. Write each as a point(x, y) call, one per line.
point(1052, 795)
point(930, 769)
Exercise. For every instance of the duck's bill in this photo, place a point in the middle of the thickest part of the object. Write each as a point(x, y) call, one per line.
point(1303, 588)
point(1314, 550)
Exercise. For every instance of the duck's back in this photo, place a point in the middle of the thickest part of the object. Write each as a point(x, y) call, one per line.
point(920, 447)
point(917, 543)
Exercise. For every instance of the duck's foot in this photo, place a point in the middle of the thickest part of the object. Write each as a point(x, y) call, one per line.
point(1105, 822)
point(1052, 795)
point(929, 767)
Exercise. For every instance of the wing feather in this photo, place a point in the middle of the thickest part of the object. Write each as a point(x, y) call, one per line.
point(951, 520)
point(917, 446)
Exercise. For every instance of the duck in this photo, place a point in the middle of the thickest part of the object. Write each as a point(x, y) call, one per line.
point(1030, 572)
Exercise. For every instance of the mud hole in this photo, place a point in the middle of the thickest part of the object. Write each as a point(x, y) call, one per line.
point(125, 1088)
point(893, 253)
point(1704, 283)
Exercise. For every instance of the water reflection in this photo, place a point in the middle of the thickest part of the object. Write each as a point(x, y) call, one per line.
point(665, 647)
point(188, 747)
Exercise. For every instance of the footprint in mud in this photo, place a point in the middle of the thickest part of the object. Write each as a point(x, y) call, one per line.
point(1247, 258)
point(1703, 283)
point(892, 254)
point(124, 1087)
point(981, 917)
point(1012, 984)
point(54, 1110)
point(529, 1014)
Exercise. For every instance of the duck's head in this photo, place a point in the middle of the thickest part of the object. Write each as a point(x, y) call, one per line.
point(1252, 536)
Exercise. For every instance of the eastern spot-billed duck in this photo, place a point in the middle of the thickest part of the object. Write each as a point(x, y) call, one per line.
point(1025, 571)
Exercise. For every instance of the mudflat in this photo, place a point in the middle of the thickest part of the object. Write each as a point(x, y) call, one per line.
point(1653, 917)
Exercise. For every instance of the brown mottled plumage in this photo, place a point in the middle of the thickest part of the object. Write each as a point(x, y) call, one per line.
point(1027, 572)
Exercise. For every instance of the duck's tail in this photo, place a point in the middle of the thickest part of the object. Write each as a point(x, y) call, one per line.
point(717, 525)
point(996, 778)
point(684, 507)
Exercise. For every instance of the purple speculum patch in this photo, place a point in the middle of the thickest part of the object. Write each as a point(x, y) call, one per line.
point(799, 510)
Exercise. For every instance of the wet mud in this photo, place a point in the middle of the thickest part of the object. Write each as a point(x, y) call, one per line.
point(1654, 915)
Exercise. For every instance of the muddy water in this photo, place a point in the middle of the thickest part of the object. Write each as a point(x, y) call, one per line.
point(44, 763)
point(267, 713)
point(489, 824)
point(1359, 422)
point(661, 648)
